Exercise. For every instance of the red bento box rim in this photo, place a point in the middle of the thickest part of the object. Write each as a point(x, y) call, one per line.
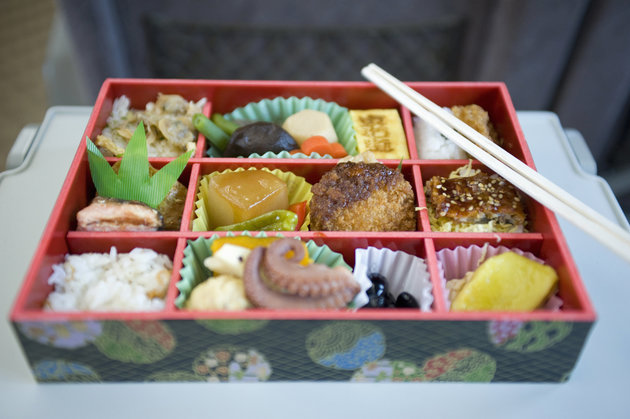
point(290, 315)
point(18, 313)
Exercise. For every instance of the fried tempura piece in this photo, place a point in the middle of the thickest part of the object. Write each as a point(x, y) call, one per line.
point(477, 118)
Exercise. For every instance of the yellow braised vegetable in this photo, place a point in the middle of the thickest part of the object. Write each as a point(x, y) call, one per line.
point(235, 197)
point(309, 122)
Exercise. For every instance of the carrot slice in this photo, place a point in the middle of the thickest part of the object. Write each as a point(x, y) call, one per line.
point(315, 144)
point(337, 151)
point(319, 144)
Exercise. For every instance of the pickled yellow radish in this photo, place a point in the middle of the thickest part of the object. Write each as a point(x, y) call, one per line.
point(234, 197)
point(507, 282)
point(308, 123)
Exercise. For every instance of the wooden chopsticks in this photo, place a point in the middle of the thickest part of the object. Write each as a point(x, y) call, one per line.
point(504, 164)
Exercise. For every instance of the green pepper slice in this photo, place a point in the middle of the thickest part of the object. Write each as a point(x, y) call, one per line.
point(277, 220)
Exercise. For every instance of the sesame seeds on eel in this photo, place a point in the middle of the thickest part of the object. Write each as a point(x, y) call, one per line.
point(470, 200)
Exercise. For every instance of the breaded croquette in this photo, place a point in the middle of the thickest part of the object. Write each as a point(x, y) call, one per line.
point(362, 197)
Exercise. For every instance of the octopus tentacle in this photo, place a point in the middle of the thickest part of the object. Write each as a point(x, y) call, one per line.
point(287, 276)
point(260, 294)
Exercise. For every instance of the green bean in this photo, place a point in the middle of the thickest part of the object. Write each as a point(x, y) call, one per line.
point(211, 131)
point(228, 126)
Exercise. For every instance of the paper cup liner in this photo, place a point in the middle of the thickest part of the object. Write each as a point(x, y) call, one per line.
point(194, 272)
point(404, 272)
point(278, 109)
point(299, 191)
point(455, 263)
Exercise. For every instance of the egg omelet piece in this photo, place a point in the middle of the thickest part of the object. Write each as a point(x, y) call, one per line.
point(507, 282)
point(381, 132)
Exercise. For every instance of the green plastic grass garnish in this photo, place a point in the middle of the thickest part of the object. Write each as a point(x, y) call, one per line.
point(133, 181)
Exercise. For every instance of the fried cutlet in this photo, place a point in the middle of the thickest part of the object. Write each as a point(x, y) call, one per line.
point(362, 197)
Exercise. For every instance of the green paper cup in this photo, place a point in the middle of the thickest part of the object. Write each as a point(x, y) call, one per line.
point(278, 109)
point(194, 272)
point(299, 190)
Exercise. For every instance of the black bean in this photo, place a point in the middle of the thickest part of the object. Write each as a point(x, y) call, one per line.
point(406, 300)
point(377, 293)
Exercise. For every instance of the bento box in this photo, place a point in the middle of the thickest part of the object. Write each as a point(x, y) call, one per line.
point(355, 344)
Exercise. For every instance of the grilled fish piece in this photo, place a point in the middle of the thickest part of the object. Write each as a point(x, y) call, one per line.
point(110, 214)
point(172, 207)
point(476, 199)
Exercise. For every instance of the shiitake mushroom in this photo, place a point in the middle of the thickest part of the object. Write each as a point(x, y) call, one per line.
point(259, 137)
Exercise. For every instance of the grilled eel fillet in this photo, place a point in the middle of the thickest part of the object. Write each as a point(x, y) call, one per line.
point(476, 199)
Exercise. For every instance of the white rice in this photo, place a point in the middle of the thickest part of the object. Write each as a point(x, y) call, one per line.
point(134, 281)
point(431, 144)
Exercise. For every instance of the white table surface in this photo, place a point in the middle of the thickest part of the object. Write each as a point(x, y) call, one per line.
point(598, 386)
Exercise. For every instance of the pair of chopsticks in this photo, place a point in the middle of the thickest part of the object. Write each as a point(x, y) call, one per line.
point(504, 164)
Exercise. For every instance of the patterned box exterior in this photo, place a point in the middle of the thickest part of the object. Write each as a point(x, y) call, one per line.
point(234, 350)
point(175, 344)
